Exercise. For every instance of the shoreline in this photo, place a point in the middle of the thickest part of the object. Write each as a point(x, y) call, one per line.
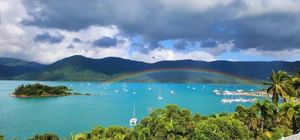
point(43, 96)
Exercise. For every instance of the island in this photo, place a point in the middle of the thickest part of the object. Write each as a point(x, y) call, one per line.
point(40, 90)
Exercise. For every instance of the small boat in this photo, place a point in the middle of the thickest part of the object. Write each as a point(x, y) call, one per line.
point(159, 96)
point(227, 92)
point(149, 88)
point(172, 92)
point(133, 121)
point(239, 91)
point(224, 101)
point(238, 100)
point(217, 92)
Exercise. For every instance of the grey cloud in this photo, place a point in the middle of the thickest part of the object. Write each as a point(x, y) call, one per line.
point(46, 37)
point(70, 46)
point(105, 42)
point(76, 40)
point(156, 22)
point(181, 45)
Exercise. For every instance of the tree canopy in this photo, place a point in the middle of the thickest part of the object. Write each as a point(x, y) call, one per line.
point(35, 90)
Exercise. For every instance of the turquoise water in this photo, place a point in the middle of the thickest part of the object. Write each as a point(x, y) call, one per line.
point(21, 118)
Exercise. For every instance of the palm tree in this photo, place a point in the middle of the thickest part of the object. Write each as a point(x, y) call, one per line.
point(290, 116)
point(279, 86)
point(295, 81)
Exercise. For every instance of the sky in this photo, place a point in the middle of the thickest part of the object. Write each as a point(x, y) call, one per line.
point(45, 31)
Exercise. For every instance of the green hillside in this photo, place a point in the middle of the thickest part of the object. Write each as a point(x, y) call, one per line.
point(80, 68)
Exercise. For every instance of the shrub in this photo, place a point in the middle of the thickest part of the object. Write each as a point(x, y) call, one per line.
point(46, 136)
point(221, 128)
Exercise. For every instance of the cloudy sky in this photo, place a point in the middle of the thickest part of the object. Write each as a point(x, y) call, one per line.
point(151, 30)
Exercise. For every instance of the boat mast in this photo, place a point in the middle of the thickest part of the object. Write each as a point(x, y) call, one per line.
point(133, 112)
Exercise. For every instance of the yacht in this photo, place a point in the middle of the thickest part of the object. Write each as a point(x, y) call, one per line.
point(133, 121)
point(159, 96)
point(217, 92)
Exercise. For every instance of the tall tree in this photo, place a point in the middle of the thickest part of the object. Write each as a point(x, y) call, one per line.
point(279, 86)
point(295, 81)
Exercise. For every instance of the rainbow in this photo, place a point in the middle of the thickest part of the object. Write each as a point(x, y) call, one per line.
point(153, 71)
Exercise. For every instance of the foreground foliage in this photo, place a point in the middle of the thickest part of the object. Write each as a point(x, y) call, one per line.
point(263, 121)
point(47, 136)
point(36, 90)
point(173, 123)
point(283, 85)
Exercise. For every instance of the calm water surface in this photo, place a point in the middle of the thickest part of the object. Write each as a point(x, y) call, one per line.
point(21, 118)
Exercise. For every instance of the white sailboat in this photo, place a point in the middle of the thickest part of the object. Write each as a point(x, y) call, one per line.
point(217, 92)
point(133, 121)
point(172, 92)
point(159, 96)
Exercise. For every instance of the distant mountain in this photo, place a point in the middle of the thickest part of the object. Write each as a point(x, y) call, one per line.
point(17, 62)
point(11, 67)
point(80, 68)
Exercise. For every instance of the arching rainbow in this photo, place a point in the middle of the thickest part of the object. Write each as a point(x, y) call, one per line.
point(152, 71)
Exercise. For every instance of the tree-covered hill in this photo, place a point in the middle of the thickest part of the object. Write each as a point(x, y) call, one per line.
point(80, 68)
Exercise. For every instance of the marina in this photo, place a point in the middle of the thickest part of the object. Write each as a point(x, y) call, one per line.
point(236, 96)
point(240, 92)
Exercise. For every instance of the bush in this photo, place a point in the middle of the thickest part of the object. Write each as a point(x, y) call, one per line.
point(46, 136)
point(221, 128)
point(280, 132)
point(81, 136)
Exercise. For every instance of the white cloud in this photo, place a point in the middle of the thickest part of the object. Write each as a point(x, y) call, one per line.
point(48, 53)
point(17, 40)
point(220, 48)
point(194, 5)
point(290, 55)
point(160, 54)
point(260, 7)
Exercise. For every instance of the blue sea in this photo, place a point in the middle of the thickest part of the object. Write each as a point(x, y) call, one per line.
point(111, 104)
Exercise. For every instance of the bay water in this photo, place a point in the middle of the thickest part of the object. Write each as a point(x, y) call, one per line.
point(109, 104)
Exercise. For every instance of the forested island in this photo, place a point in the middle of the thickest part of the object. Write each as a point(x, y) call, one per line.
point(40, 90)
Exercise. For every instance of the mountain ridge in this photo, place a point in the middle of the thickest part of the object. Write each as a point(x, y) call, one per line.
point(81, 68)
